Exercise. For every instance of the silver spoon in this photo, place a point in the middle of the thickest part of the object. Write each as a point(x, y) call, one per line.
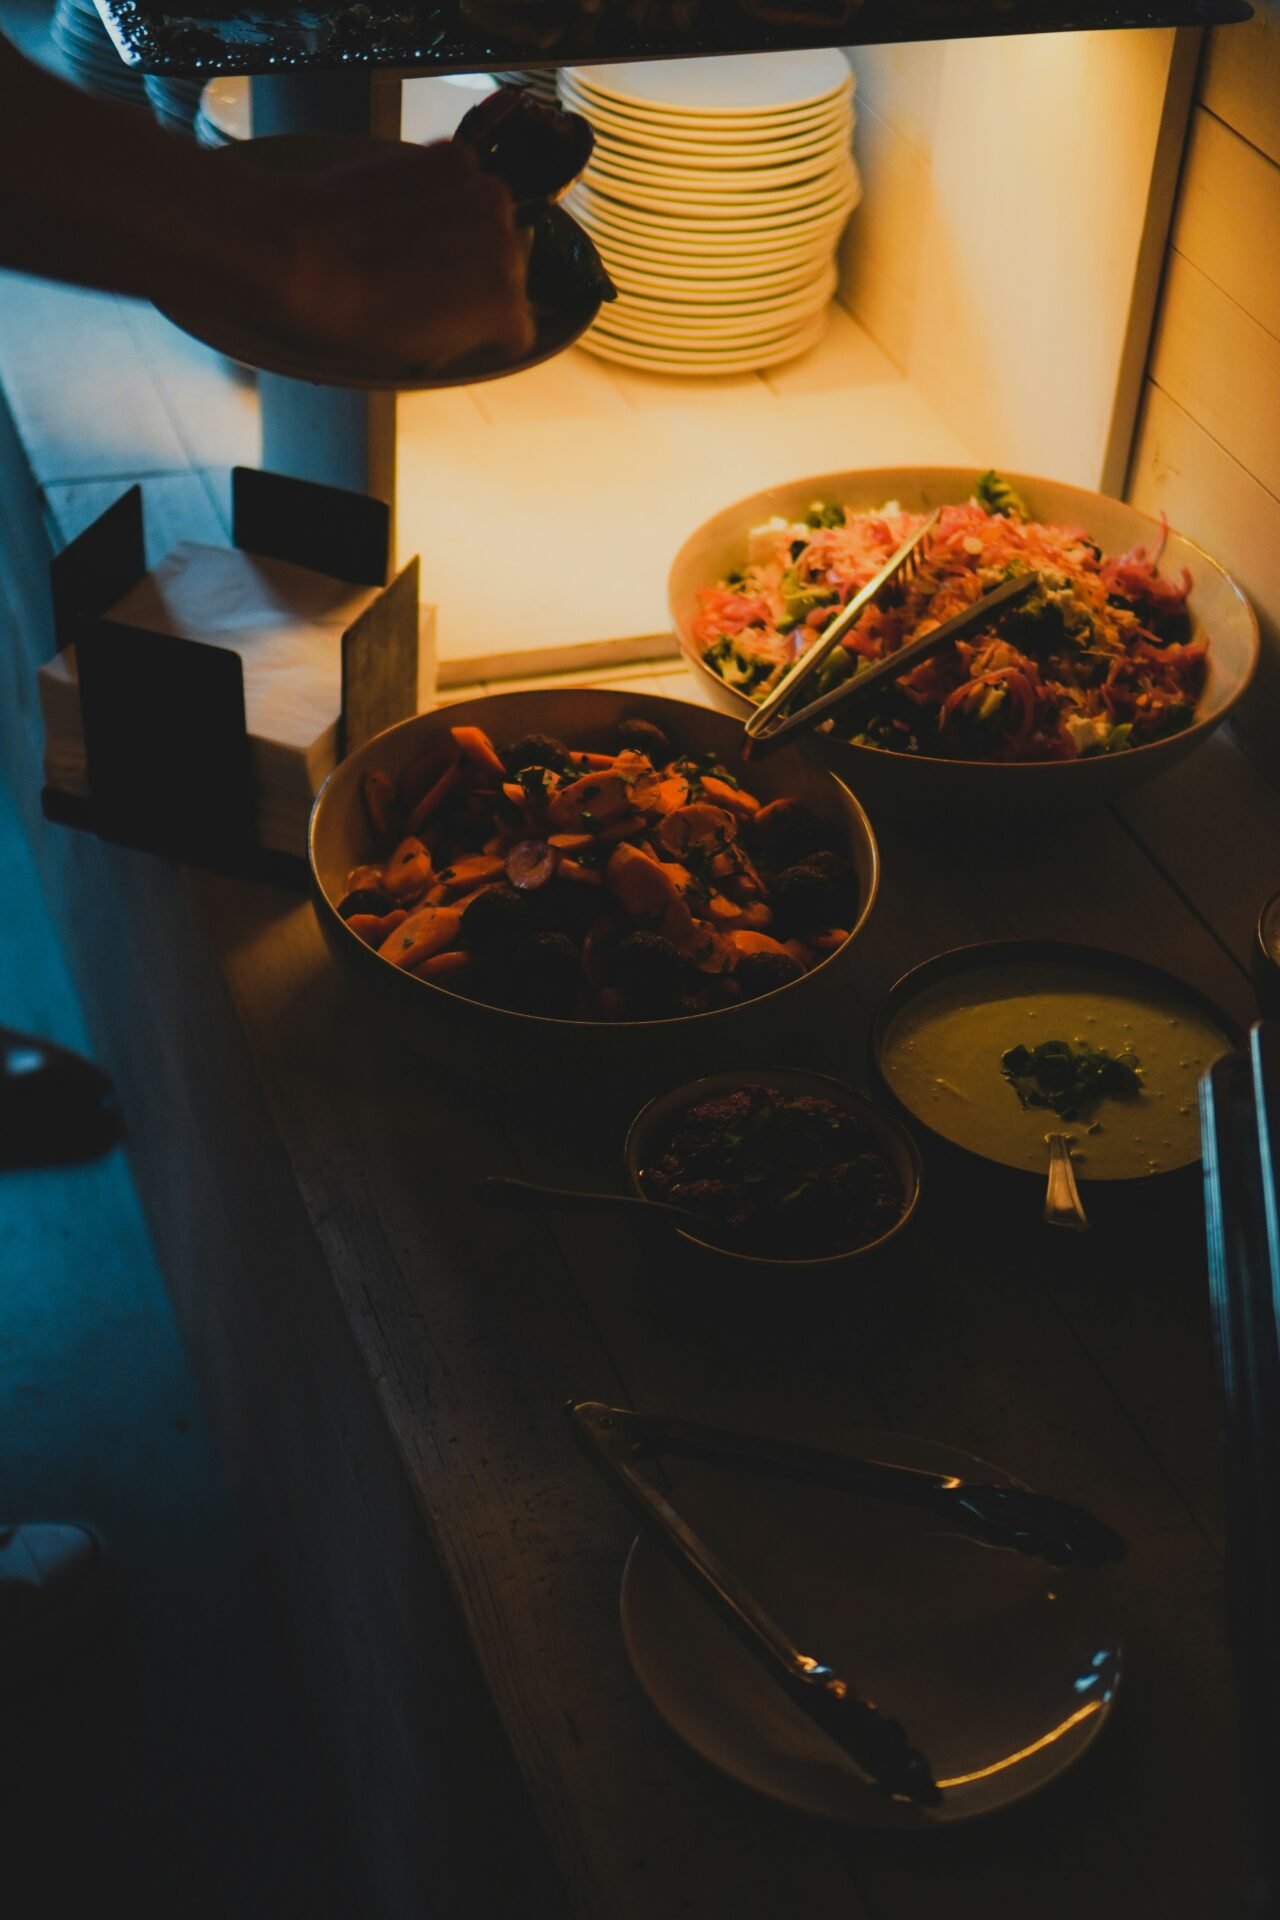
point(496, 1190)
point(1062, 1203)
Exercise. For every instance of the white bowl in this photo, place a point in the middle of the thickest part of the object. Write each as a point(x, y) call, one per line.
point(1216, 605)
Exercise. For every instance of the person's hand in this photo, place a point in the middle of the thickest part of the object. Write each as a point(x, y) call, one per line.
point(412, 259)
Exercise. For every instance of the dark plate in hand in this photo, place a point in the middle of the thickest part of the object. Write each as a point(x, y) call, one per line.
point(558, 325)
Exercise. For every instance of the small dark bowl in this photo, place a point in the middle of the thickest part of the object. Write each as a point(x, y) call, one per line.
point(654, 1124)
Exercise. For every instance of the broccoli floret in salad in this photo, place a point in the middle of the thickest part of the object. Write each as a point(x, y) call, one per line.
point(824, 513)
point(995, 494)
point(736, 668)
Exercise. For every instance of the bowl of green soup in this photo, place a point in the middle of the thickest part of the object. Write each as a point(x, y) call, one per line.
point(991, 1048)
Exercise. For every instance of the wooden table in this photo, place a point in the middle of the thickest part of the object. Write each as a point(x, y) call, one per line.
point(387, 1366)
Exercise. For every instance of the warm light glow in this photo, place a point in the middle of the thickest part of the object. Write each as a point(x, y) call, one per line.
point(1024, 1753)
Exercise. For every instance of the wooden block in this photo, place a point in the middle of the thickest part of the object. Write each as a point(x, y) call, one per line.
point(380, 663)
point(165, 739)
point(99, 565)
point(346, 535)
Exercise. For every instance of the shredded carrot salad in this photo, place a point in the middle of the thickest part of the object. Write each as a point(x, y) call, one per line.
point(1100, 659)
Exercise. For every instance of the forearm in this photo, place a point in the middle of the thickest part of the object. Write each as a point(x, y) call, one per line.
point(98, 194)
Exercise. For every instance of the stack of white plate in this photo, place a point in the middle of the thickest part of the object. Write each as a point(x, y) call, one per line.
point(90, 54)
point(716, 194)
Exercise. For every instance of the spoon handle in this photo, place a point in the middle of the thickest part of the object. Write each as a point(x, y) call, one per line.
point(1062, 1204)
point(497, 1190)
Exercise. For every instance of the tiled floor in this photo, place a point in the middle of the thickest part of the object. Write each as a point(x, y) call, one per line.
point(173, 1773)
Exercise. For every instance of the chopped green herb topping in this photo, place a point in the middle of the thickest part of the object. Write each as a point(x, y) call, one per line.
point(1069, 1080)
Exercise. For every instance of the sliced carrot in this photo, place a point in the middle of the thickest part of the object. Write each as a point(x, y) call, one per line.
point(697, 825)
point(639, 885)
point(799, 952)
point(479, 751)
point(592, 762)
point(434, 797)
point(428, 930)
point(582, 876)
point(569, 842)
point(736, 799)
point(463, 900)
point(361, 877)
point(630, 823)
point(408, 872)
point(586, 803)
point(755, 916)
point(438, 964)
point(745, 940)
point(374, 928)
point(828, 940)
point(776, 813)
point(378, 790)
point(473, 870)
point(671, 793)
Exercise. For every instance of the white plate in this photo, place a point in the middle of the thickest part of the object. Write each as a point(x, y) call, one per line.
point(697, 328)
point(679, 179)
point(703, 289)
point(651, 360)
point(831, 189)
point(1001, 1668)
point(659, 146)
point(697, 235)
point(673, 313)
point(709, 135)
point(688, 342)
point(746, 83)
point(681, 252)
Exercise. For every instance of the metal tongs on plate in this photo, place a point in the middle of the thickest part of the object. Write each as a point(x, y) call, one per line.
point(616, 1441)
point(769, 724)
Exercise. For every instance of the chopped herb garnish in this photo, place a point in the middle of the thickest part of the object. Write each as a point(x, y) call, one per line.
point(1069, 1080)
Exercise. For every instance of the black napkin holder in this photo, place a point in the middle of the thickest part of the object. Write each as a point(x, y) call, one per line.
point(164, 717)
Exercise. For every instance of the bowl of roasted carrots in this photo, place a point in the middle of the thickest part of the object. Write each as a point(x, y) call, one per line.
point(591, 877)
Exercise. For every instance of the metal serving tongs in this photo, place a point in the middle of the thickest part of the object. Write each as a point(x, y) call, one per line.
point(616, 1440)
point(768, 724)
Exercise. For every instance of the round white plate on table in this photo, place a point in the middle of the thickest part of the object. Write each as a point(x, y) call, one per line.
point(1001, 1668)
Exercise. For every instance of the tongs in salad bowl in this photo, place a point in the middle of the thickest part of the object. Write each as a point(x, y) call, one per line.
point(616, 1440)
point(769, 724)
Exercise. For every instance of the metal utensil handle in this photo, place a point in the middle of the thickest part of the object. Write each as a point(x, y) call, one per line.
point(1008, 1516)
point(999, 600)
point(498, 1190)
point(1062, 1203)
point(878, 1746)
point(835, 630)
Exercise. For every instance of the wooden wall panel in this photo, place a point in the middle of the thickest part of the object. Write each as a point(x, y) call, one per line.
point(1208, 447)
point(1240, 82)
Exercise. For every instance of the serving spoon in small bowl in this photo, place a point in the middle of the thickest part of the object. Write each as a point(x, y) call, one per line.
point(497, 1190)
point(1063, 1206)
